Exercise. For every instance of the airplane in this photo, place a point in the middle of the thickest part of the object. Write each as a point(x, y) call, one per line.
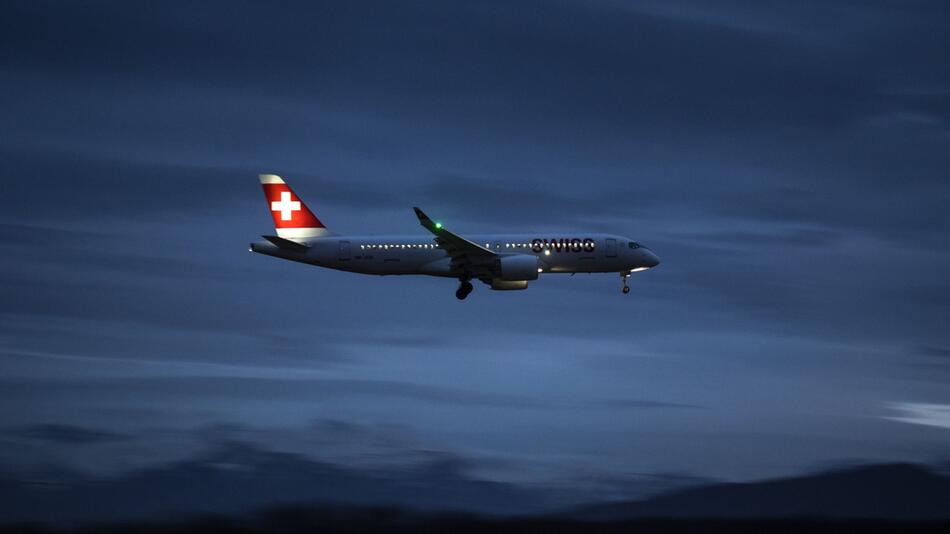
point(501, 261)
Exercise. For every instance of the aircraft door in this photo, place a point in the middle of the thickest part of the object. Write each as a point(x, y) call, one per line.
point(611, 251)
point(344, 251)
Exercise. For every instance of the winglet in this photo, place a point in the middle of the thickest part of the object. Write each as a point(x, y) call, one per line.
point(426, 222)
point(448, 239)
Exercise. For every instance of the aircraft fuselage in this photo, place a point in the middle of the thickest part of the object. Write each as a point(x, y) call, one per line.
point(502, 261)
point(415, 254)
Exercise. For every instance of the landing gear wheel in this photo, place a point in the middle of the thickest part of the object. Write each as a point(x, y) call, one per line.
point(623, 278)
point(464, 289)
point(626, 289)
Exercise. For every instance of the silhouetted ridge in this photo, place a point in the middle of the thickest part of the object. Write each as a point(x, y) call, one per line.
point(238, 479)
point(892, 491)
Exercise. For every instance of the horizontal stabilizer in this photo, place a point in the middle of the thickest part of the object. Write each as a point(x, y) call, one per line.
point(286, 244)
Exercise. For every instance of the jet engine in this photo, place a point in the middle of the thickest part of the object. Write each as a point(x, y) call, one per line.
point(517, 267)
point(508, 285)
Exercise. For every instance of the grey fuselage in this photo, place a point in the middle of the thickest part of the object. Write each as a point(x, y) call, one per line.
point(419, 254)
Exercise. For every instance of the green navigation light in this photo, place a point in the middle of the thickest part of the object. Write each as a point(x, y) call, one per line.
point(438, 226)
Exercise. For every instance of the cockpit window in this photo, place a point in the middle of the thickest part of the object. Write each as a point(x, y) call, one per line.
point(633, 245)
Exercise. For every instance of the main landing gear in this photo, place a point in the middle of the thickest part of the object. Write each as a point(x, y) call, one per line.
point(465, 287)
point(623, 278)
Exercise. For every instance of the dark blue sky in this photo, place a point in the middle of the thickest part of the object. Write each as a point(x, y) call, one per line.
point(788, 162)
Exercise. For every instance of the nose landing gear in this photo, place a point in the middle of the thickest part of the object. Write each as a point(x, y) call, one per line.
point(465, 287)
point(623, 278)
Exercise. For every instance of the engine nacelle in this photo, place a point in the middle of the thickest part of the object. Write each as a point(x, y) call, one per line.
point(517, 267)
point(508, 285)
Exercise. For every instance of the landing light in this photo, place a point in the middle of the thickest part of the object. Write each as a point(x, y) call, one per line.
point(540, 270)
point(638, 269)
point(547, 252)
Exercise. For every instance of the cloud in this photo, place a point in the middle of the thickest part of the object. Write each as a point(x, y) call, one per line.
point(69, 187)
point(931, 350)
point(638, 404)
point(779, 238)
point(66, 434)
point(248, 388)
point(918, 413)
point(85, 251)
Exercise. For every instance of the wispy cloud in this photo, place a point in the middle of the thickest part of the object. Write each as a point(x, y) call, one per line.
point(645, 404)
point(930, 350)
point(919, 413)
point(67, 434)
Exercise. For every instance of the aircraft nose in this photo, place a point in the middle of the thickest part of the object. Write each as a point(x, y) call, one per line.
point(652, 260)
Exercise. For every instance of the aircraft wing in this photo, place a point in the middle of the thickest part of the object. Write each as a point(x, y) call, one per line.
point(467, 256)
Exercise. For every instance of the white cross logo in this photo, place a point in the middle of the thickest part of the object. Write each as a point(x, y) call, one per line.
point(285, 206)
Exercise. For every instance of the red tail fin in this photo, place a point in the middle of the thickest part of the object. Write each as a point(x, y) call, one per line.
point(292, 218)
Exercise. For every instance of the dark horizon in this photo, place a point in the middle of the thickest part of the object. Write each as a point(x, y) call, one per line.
point(788, 162)
point(242, 484)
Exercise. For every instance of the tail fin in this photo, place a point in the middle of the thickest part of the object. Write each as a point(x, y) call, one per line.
point(292, 218)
